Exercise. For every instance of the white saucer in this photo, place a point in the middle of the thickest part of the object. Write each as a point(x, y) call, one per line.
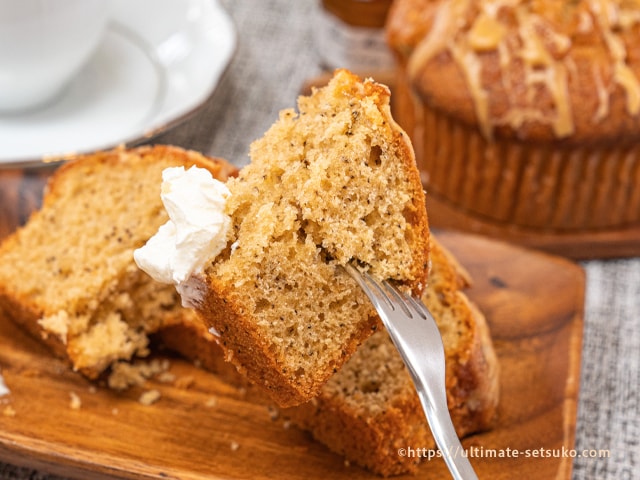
point(159, 61)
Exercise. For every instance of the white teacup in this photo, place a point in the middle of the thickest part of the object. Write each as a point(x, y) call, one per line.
point(43, 44)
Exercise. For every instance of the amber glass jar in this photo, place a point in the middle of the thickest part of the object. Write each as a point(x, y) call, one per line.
point(350, 34)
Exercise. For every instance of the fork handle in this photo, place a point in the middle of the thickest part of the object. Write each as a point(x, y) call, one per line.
point(444, 433)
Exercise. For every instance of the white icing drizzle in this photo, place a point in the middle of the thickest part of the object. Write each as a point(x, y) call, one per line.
point(625, 77)
point(544, 53)
point(585, 22)
point(438, 38)
point(603, 96)
point(540, 67)
point(607, 15)
point(630, 17)
point(471, 67)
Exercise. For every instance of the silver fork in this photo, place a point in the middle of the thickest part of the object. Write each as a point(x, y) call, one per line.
point(416, 336)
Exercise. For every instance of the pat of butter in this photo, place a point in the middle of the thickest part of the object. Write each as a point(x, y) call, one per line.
point(196, 231)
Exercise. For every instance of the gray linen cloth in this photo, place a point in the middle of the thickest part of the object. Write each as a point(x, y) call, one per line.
point(275, 56)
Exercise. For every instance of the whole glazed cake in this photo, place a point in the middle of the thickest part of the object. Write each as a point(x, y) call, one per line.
point(524, 112)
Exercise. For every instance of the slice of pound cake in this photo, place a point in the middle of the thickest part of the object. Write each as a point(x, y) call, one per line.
point(68, 275)
point(370, 408)
point(334, 183)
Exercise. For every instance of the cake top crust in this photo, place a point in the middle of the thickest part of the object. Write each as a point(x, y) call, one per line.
point(539, 70)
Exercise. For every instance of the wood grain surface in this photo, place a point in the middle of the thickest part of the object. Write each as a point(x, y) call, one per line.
point(534, 306)
point(580, 245)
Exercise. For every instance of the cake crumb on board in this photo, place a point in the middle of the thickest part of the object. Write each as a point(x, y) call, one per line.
point(75, 402)
point(125, 375)
point(149, 397)
point(9, 411)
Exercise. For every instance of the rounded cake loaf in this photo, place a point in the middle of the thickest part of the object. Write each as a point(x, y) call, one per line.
point(524, 112)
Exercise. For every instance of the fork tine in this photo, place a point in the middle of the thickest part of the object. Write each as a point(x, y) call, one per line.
point(400, 298)
point(409, 301)
point(420, 308)
point(382, 293)
point(368, 285)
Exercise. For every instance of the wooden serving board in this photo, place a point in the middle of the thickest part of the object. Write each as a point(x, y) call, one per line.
point(534, 305)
